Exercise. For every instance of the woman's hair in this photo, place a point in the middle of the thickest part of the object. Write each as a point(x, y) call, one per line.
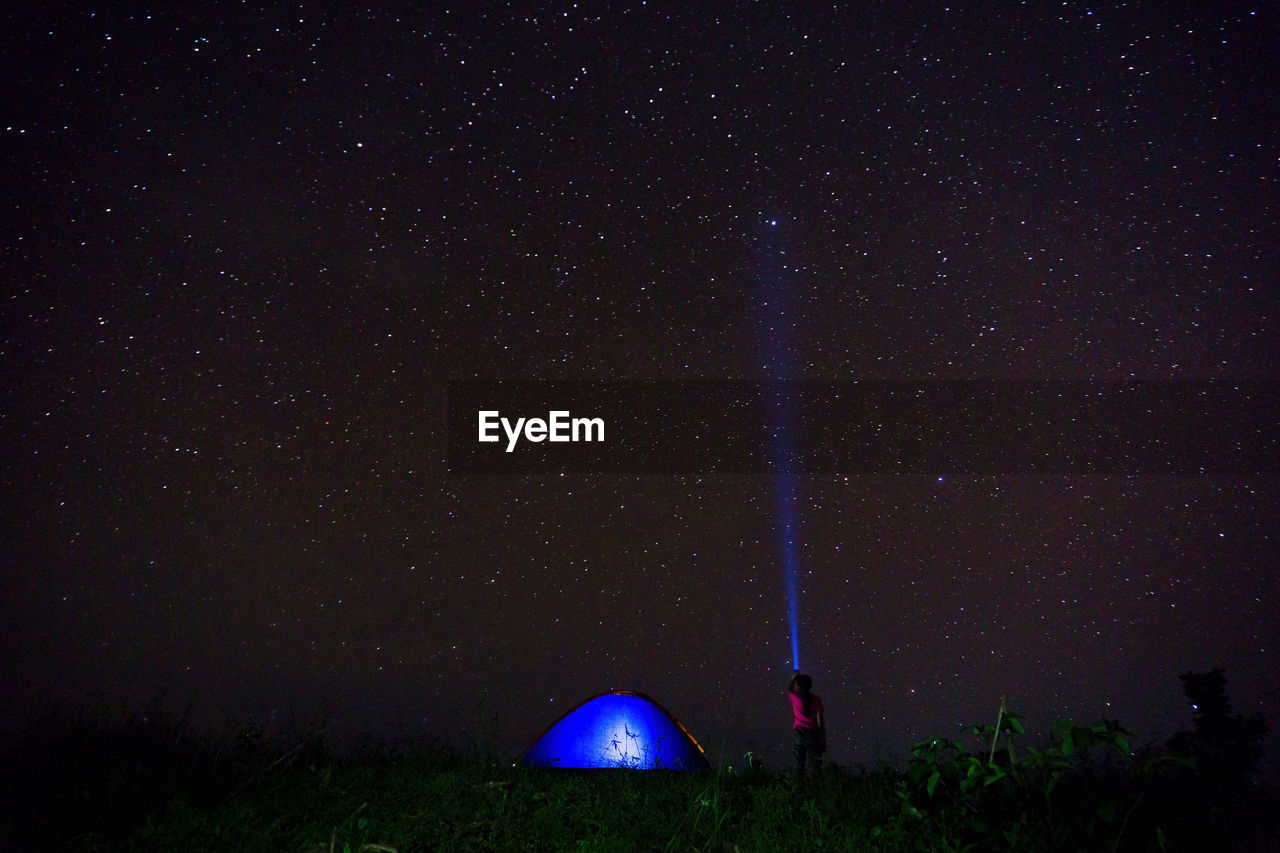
point(804, 684)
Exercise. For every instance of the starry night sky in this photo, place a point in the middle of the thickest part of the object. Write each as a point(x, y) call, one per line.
point(247, 247)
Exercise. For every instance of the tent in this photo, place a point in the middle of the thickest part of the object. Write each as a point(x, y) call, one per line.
point(618, 729)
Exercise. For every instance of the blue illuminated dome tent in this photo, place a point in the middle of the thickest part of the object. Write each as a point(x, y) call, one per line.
point(618, 729)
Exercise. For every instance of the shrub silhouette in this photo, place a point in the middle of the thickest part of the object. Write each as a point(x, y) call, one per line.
point(1225, 746)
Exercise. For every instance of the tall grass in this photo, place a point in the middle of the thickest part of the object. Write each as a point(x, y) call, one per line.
point(135, 786)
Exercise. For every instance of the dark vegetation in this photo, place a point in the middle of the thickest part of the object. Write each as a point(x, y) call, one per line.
point(145, 784)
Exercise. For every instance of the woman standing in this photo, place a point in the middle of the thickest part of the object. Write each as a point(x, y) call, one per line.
point(808, 731)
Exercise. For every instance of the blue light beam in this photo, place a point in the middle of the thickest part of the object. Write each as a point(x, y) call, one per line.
point(786, 498)
point(779, 360)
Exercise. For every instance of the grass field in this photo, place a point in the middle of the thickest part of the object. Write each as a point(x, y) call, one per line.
point(147, 786)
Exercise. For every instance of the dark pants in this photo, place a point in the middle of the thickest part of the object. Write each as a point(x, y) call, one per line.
point(808, 744)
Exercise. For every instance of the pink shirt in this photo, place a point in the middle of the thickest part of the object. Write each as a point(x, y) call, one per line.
point(804, 721)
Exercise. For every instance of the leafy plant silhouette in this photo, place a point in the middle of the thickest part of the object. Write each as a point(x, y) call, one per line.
point(1225, 746)
point(1074, 794)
